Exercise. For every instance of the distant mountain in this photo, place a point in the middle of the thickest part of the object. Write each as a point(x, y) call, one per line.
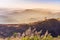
point(36, 11)
point(26, 15)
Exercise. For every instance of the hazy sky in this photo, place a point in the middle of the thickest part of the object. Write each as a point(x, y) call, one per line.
point(49, 4)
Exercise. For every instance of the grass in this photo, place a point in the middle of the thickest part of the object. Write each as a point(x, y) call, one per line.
point(48, 37)
point(31, 36)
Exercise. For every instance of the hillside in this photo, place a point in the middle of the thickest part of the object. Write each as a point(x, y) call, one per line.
point(52, 25)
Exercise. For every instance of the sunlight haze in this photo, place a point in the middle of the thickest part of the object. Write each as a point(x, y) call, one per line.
point(29, 4)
